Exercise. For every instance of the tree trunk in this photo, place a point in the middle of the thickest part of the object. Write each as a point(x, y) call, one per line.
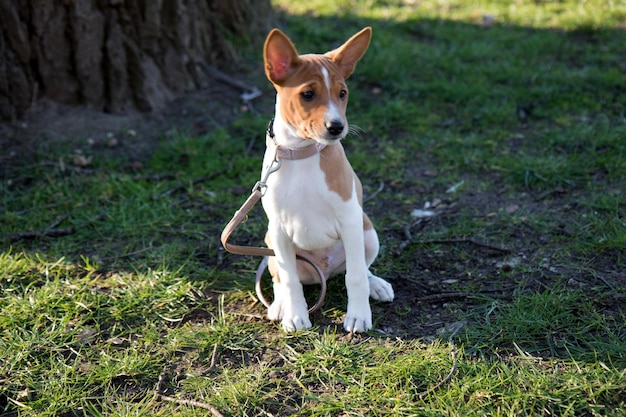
point(116, 55)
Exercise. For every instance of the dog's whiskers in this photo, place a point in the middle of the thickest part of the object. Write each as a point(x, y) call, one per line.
point(355, 130)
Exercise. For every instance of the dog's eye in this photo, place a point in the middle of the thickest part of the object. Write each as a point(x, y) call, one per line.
point(343, 94)
point(307, 95)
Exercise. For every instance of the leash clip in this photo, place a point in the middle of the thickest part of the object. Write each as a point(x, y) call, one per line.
point(262, 185)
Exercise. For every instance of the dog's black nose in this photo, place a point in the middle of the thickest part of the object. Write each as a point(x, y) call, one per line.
point(334, 127)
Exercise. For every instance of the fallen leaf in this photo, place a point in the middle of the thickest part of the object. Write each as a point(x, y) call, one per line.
point(435, 203)
point(116, 341)
point(81, 160)
point(86, 335)
point(511, 208)
point(25, 394)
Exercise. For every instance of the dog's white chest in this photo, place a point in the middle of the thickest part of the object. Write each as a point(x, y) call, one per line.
point(299, 201)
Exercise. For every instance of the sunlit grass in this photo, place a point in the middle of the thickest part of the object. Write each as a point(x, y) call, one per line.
point(568, 15)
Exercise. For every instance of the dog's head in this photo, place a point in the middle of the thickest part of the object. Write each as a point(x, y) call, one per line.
point(311, 89)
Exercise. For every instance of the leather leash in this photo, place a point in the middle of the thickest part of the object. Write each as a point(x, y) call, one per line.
point(257, 193)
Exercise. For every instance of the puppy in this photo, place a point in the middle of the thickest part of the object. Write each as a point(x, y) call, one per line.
point(314, 200)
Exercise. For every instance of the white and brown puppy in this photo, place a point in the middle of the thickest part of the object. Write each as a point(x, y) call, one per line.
point(314, 203)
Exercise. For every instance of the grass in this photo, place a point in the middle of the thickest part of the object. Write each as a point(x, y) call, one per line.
point(522, 104)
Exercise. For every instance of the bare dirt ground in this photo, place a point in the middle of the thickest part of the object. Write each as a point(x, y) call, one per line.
point(50, 123)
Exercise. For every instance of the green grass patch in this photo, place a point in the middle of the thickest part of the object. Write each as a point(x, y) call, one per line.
point(113, 283)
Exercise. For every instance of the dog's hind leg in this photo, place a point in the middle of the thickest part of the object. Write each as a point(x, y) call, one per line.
point(380, 289)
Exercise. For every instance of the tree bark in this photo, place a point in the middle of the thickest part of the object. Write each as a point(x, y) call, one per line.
point(116, 55)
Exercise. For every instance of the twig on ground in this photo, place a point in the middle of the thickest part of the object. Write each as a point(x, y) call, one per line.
point(127, 255)
point(248, 92)
point(14, 237)
point(472, 241)
point(44, 207)
point(52, 230)
point(452, 241)
point(401, 247)
point(251, 316)
point(178, 187)
point(221, 76)
point(606, 282)
point(456, 327)
point(550, 193)
point(190, 403)
point(381, 187)
point(445, 296)
point(159, 385)
point(214, 356)
point(193, 182)
point(158, 396)
point(59, 220)
point(408, 237)
point(155, 177)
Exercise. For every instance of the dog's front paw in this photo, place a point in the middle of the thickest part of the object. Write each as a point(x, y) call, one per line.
point(294, 315)
point(290, 319)
point(380, 289)
point(358, 319)
point(296, 322)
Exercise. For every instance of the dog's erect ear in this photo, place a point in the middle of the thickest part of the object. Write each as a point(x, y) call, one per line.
point(347, 55)
point(280, 56)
